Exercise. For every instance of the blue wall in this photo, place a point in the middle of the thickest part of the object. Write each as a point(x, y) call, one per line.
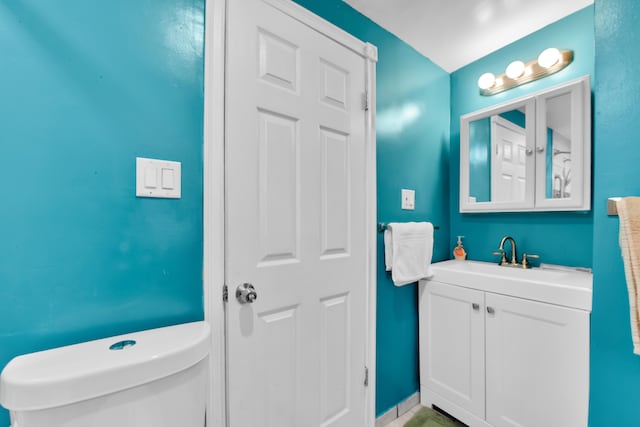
point(88, 87)
point(615, 370)
point(559, 238)
point(413, 153)
point(85, 88)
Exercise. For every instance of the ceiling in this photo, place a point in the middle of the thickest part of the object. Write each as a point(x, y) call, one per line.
point(454, 33)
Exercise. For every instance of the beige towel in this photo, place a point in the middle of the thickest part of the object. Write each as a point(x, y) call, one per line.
point(629, 212)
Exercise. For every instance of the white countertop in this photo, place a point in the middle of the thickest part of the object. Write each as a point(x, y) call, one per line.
point(569, 288)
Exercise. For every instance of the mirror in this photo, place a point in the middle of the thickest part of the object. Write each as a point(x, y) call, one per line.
point(558, 159)
point(497, 157)
point(529, 154)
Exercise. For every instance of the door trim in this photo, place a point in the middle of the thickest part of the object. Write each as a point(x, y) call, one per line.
point(214, 196)
point(214, 206)
point(371, 294)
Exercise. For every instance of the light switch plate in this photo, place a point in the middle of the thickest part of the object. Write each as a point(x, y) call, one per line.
point(158, 178)
point(408, 199)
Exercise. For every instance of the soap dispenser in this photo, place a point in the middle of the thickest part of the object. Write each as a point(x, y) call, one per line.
point(458, 252)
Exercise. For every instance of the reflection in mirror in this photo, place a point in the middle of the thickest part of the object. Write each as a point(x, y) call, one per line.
point(558, 158)
point(479, 155)
point(497, 158)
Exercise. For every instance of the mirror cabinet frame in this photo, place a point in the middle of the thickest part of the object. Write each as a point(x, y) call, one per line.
point(535, 107)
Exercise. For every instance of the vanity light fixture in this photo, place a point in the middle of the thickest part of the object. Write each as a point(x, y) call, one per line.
point(486, 81)
point(517, 73)
point(515, 70)
point(549, 57)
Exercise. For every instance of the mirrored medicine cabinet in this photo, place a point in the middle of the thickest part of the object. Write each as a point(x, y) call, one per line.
point(529, 154)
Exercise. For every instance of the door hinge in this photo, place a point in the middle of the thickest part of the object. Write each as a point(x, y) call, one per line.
point(366, 376)
point(225, 293)
point(365, 101)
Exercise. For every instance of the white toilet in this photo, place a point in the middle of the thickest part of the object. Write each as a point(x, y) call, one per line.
point(154, 378)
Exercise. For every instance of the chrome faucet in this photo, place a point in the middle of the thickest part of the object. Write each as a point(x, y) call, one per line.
point(514, 252)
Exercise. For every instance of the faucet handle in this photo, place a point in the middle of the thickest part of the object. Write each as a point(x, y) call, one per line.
point(525, 259)
point(503, 256)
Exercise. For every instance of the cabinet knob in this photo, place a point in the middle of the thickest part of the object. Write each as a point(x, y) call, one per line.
point(490, 310)
point(475, 306)
point(540, 149)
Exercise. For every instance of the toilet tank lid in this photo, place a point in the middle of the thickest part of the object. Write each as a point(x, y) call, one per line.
point(74, 373)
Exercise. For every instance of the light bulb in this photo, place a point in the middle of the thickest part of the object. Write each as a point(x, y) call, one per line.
point(515, 69)
point(549, 57)
point(486, 81)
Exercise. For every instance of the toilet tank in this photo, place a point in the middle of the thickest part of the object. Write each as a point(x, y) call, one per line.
point(153, 378)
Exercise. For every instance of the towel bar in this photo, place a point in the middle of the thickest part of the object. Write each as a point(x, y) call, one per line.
point(612, 206)
point(382, 226)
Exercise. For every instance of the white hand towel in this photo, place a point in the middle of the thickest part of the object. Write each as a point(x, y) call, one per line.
point(408, 248)
point(629, 211)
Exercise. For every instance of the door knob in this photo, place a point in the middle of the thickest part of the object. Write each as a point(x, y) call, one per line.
point(246, 293)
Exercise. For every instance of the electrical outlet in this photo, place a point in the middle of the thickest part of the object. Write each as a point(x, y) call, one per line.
point(408, 199)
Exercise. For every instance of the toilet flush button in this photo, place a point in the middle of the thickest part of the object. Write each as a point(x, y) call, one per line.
point(121, 345)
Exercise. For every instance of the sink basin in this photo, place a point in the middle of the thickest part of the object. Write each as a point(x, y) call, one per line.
point(560, 287)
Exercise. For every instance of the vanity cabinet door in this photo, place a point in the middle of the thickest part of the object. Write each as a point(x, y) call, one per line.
point(537, 366)
point(452, 343)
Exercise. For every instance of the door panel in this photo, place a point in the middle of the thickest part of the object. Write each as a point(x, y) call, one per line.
point(279, 61)
point(295, 190)
point(334, 82)
point(334, 368)
point(278, 199)
point(279, 364)
point(336, 197)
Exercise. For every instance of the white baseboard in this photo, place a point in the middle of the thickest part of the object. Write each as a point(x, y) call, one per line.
point(387, 417)
point(398, 410)
point(407, 404)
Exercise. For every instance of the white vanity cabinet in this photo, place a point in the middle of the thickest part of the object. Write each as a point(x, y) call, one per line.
point(491, 359)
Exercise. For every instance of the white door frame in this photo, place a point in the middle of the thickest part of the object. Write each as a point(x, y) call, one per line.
point(213, 205)
point(214, 197)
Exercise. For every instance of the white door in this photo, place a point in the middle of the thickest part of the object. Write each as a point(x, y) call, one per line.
point(295, 197)
point(508, 165)
point(537, 364)
point(452, 345)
